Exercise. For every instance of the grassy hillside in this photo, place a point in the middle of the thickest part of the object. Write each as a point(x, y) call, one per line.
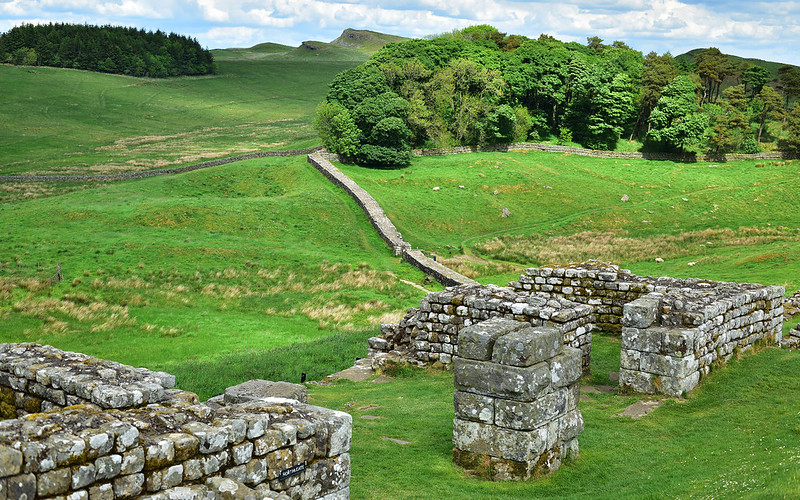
point(71, 122)
point(365, 41)
point(737, 221)
point(183, 272)
point(690, 57)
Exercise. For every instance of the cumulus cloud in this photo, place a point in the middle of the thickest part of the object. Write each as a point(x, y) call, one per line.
point(660, 25)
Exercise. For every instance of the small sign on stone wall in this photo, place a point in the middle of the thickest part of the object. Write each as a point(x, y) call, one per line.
point(292, 471)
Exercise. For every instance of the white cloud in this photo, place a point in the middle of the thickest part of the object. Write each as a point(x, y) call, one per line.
point(660, 25)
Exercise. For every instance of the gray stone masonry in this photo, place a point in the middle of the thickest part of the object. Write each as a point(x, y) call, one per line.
point(384, 226)
point(129, 436)
point(671, 339)
point(792, 340)
point(516, 413)
point(431, 332)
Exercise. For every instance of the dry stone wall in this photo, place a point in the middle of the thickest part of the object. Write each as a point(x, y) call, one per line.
point(430, 332)
point(554, 148)
point(516, 400)
point(130, 435)
point(671, 339)
point(384, 226)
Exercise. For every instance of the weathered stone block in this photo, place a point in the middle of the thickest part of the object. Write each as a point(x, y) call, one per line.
point(643, 339)
point(477, 341)
point(259, 389)
point(566, 368)
point(529, 415)
point(642, 312)
point(54, 482)
point(497, 441)
point(527, 346)
point(470, 406)
point(668, 366)
point(510, 382)
point(10, 461)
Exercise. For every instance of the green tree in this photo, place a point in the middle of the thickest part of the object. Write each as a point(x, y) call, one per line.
point(790, 82)
point(337, 129)
point(711, 68)
point(770, 105)
point(792, 140)
point(676, 120)
point(658, 72)
point(756, 77)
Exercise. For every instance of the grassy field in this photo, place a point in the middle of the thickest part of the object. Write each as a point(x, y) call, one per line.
point(737, 221)
point(263, 269)
point(74, 122)
point(181, 272)
point(733, 437)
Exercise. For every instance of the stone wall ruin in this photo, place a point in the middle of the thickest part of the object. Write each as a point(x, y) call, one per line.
point(690, 324)
point(430, 332)
point(94, 429)
point(516, 400)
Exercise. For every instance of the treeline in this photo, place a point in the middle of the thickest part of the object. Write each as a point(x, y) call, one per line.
point(107, 49)
point(481, 86)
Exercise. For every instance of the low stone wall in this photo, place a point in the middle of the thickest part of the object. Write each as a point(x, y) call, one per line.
point(554, 148)
point(384, 226)
point(153, 173)
point(430, 332)
point(671, 339)
point(516, 400)
point(792, 340)
point(607, 288)
point(130, 436)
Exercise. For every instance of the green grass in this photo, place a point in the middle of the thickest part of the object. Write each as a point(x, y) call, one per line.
point(196, 267)
point(569, 208)
point(733, 437)
point(72, 122)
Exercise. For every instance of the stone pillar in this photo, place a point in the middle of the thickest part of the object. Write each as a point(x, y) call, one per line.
point(517, 390)
point(656, 359)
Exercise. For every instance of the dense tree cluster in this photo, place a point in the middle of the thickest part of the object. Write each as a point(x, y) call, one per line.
point(108, 49)
point(481, 86)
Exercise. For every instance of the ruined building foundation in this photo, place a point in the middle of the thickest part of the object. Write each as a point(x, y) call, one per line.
point(92, 429)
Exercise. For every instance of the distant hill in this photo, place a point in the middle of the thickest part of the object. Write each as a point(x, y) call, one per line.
point(365, 41)
point(307, 50)
point(691, 56)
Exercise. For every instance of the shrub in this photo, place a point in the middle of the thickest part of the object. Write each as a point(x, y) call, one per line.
point(751, 146)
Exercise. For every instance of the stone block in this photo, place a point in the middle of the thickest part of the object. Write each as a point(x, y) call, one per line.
point(529, 415)
point(637, 381)
point(259, 389)
point(668, 366)
point(477, 341)
point(509, 382)
point(470, 406)
point(527, 346)
point(21, 486)
point(54, 482)
point(567, 367)
point(128, 486)
point(108, 467)
point(643, 339)
point(10, 461)
point(497, 441)
point(680, 342)
point(642, 312)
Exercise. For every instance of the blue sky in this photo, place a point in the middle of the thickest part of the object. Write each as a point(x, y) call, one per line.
point(766, 30)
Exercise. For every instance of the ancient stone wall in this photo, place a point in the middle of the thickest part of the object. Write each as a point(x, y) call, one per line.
point(384, 226)
point(124, 433)
point(516, 413)
point(430, 332)
point(554, 148)
point(671, 339)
